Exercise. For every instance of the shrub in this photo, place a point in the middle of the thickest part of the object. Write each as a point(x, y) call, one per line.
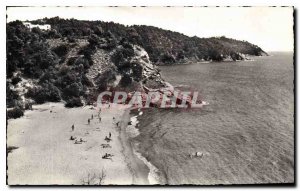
point(53, 34)
point(122, 55)
point(103, 80)
point(12, 97)
point(125, 81)
point(74, 102)
point(72, 60)
point(79, 68)
point(110, 44)
point(28, 105)
point(137, 71)
point(98, 30)
point(71, 39)
point(47, 77)
point(64, 70)
point(61, 50)
point(167, 58)
point(86, 81)
point(133, 36)
point(94, 40)
point(215, 55)
point(82, 61)
point(93, 179)
point(46, 92)
point(73, 90)
point(126, 44)
point(124, 67)
point(180, 55)
point(88, 51)
point(37, 30)
point(235, 56)
point(66, 79)
point(16, 80)
point(15, 113)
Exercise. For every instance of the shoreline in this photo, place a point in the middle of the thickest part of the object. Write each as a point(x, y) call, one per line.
point(132, 132)
point(156, 174)
point(137, 167)
point(249, 58)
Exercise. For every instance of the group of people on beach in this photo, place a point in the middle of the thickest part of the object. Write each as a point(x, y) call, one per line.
point(107, 138)
point(107, 156)
point(72, 138)
point(89, 122)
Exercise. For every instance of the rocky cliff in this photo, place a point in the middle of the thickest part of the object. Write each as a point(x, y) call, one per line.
point(75, 71)
point(76, 60)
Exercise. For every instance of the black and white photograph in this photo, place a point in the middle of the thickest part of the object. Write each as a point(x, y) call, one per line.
point(150, 95)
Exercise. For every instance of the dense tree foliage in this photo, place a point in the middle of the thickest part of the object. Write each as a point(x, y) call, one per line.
point(55, 72)
point(163, 46)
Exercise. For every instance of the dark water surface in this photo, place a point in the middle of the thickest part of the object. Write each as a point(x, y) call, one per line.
point(246, 133)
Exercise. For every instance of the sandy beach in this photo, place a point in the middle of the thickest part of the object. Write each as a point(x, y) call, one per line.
point(46, 155)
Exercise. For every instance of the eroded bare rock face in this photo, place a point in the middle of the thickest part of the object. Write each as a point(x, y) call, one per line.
point(76, 60)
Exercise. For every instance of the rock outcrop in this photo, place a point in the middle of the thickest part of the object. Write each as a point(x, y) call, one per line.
point(76, 60)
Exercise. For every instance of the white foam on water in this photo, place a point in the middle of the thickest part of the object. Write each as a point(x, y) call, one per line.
point(153, 177)
point(132, 131)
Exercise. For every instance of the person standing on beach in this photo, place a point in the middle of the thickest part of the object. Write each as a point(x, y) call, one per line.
point(30, 106)
point(99, 119)
point(73, 127)
point(92, 116)
point(109, 135)
point(89, 121)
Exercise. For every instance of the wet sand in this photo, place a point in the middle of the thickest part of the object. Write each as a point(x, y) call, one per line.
point(137, 167)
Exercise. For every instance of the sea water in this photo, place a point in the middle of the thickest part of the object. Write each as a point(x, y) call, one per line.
point(246, 133)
